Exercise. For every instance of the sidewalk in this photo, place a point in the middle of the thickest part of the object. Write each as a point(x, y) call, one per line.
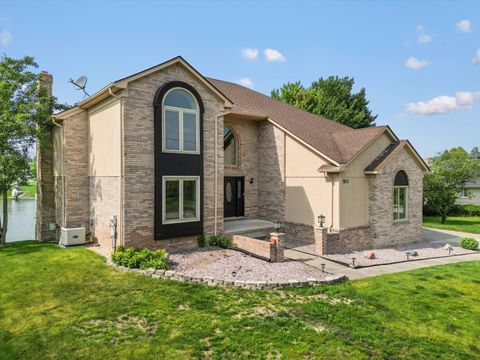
point(361, 273)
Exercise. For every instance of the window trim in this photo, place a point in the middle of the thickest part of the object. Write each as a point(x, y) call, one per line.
point(180, 125)
point(406, 202)
point(180, 179)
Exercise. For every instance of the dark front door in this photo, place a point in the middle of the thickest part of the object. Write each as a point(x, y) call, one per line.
point(233, 196)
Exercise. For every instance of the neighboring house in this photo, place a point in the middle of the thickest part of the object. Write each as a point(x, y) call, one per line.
point(173, 154)
point(470, 194)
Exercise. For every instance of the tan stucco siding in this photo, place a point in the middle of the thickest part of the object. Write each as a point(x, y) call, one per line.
point(354, 185)
point(308, 192)
point(358, 165)
point(104, 139)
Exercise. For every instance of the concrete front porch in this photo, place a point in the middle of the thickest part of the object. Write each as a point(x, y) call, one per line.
point(242, 226)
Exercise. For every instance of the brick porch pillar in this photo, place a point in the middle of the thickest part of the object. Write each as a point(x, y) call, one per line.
point(276, 247)
point(321, 240)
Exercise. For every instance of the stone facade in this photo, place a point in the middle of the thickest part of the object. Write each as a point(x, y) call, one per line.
point(300, 231)
point(246, 134)
point(384, 230)
point(138, 161)
point(271, 172)
point(76, 170)
point(46, 207)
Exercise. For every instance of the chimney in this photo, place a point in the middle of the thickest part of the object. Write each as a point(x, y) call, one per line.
point(46, 80)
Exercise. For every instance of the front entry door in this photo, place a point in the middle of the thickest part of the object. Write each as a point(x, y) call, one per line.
point(233, 196)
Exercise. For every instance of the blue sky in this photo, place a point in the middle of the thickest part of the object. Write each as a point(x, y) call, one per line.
point(434, 101)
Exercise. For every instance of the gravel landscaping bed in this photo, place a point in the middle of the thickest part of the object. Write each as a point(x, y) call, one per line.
point(231, 265)
point(396, 254)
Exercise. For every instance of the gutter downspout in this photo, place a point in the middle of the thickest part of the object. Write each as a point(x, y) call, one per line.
point(63, 170)
point(216, 170)
point(120, 225)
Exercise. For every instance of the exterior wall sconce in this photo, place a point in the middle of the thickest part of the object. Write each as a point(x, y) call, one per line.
point(321, 220)
point(277, 225)
point(251, 180)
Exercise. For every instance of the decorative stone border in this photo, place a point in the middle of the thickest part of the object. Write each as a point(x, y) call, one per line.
point(210, 281)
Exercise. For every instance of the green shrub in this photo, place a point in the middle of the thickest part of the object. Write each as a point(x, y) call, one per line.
point(201, 241)
point(140, 258)
point(220, 241)
point(469, 243)
point(465, 210)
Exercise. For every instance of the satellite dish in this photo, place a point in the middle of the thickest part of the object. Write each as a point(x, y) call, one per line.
point(80, 84)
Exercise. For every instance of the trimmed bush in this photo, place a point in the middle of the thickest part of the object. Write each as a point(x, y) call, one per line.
point(140, 258)
point(201, 241)
point(469, 243)
point(220, 241)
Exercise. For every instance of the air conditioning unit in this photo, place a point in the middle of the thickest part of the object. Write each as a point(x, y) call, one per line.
point(72, 236)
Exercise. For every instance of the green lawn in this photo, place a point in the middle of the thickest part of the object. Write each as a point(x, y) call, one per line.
point(469, 224)
point(66, 303)
point(30, 189)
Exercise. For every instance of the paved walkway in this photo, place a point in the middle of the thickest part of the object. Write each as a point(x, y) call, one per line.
point(360, 273)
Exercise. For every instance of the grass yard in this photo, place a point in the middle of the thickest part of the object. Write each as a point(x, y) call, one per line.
point(66, 303)
point(30, 189)
point(469, 224)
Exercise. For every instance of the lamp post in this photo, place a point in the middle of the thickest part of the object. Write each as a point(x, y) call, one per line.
point(321, 220)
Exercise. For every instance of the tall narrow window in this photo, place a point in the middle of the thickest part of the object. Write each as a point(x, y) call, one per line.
point(400, 195)
point(180, 122)
point(230, 145)
point(181, 199)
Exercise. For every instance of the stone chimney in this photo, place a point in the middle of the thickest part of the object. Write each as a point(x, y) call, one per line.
point(45, 179)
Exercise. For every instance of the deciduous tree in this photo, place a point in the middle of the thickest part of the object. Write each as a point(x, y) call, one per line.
point(332, 98)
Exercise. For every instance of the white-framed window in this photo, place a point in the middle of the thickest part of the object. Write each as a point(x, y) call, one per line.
point(180, 122)
point(181, 199)
point(400, 196)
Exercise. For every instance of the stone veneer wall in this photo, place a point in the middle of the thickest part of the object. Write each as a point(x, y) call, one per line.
point(300, 231)
point(246, 132)
point(45, 191)
point(138, 118)
point(104, 203)
point(271, 172)
point(385, 231)
point(76, 170)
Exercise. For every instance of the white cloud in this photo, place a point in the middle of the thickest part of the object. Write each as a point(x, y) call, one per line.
point(422, 37)
point(273, 55)
point(5, 38)
point(443, 104)
point(250, 54)
point(246, 82)
point(476, 58)
point(464, 26)
point(415, 64)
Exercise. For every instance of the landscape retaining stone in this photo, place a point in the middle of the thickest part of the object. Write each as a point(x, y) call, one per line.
point(210, 281)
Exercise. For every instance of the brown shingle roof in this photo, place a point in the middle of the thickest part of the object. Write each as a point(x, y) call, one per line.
point(336, 141)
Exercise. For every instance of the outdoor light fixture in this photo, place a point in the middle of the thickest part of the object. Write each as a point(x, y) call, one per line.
point(276, 225)
point(321, 220)
point(234, 273)
point(251, 180)
point(323, 267)
point(353, 261)
point(408, 256)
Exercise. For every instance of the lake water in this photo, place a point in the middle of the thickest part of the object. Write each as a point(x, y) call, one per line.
point(21, 219)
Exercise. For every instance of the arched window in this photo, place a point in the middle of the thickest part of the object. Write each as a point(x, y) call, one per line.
point(180, 122)
point(230, 147)
point(400, 195)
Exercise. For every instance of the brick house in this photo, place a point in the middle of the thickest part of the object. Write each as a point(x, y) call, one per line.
point(173, 154)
